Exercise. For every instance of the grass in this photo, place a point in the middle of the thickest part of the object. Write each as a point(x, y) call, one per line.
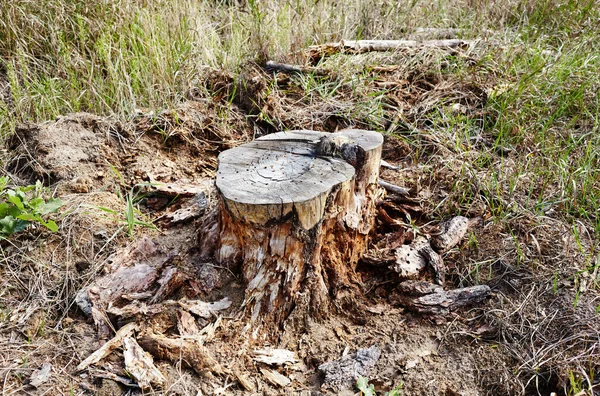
point(524, 152)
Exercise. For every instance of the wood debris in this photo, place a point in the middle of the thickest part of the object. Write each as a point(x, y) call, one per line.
point(203, 309)
point(140, 365)
point(208, 331)
point(276, 378)
point(424, 297)
point(272, 356)
point(275, 67)
point(108, 347)
point(190, 351)
point(317, 52)
point(403, 191)
point(387, 165)
point(343, 373)
point(39, 377)
point(452, 233)
point(244, 381)
point(113, 377)
point(190, 210)
point(412, 260)
point(179, 189)
point(186, 324)
point(132, 271)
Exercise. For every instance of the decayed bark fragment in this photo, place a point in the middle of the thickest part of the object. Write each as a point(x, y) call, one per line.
point(190, 351)
point(108, 347)
point(140, 365)
point(424, 297)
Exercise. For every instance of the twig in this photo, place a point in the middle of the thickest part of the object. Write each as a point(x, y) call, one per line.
point(394, 188)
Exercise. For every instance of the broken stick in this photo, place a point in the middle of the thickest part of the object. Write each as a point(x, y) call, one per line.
point(394, 188)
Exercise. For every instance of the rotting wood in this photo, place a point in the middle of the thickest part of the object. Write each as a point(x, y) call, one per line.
point(272, 356)
point(276, 67)
point(424, 297)
point(316, 52)
point(295, 210)
point(390, 45)
point(140, 365)
point(190, 351)
point(276, 378)
point(108, 347)
point(453, 232)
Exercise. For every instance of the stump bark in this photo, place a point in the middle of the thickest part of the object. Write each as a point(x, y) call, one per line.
point(295, 211)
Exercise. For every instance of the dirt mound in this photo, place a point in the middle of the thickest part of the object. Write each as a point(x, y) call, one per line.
point(81, 152)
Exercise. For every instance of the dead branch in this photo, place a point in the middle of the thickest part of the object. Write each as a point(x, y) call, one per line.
point(393, 188)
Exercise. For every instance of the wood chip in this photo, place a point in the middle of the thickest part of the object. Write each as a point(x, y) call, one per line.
point(275, 378)
point(179, 189)
point(452, 232)
point(140, 365)
point(40, 376)
point(244, 381)
point(208, 332)
point(204, 309)
point(186, 324)
point(109, 346)
point(192, 210)
point(274, 356)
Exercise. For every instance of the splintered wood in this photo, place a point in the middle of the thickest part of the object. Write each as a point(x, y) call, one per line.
point(296, 209)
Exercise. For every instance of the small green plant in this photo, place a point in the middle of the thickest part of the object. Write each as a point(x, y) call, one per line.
point(367, 389)
point(23, 206)
point(364, 387)
point(131, 215)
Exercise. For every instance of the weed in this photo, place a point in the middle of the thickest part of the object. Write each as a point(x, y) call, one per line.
point(23, 206)
point(367, 389)
point(131, 215)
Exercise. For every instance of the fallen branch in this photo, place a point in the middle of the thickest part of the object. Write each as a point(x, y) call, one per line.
point(390, 45)
point(319, 51)
point(394, 188)
point(387, 165)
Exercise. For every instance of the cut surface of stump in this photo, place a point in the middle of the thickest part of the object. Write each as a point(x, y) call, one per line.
point(295, 211)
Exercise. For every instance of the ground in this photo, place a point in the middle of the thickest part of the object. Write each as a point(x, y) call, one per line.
point(458, 141)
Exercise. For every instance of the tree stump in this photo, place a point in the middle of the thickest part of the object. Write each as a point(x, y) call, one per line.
point(295, 210)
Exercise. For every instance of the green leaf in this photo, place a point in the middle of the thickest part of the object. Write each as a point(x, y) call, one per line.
point(28, 217)
point(52, 206)
point(14, 199)
point(396, 391)
point(4, 207)
point(363, 385)
point(35, 204)
point(9, 225)
point(50, 224)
